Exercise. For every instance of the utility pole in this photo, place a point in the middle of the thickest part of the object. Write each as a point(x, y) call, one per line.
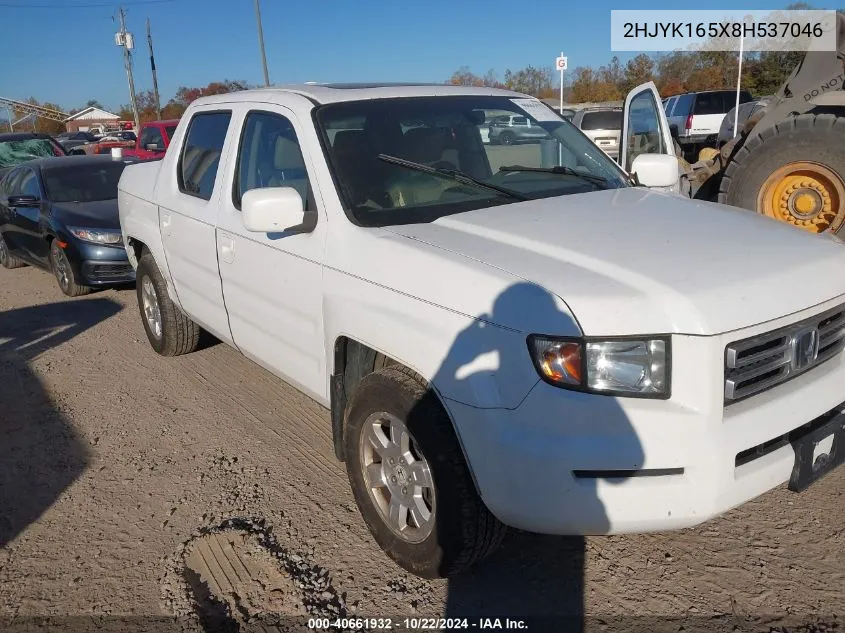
point(125, 40)
point(153, 67)
point(261, 44)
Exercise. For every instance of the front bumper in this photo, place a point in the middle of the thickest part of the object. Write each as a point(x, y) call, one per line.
point(100, 273)
point(575, 463)
point(100, 265)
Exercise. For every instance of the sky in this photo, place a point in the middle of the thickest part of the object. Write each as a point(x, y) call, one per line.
point(63, 51)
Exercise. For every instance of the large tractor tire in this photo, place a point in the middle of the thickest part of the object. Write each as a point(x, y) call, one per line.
point(793, 172)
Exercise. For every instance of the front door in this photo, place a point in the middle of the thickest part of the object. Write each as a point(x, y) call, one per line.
point(645, 129)
point(188, 189)
point(27, 219)
point(272, 283)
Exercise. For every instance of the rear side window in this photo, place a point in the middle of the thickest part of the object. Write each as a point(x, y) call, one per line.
point(200, 156)
point(683, 105)
point(710, 103)
point(606, 120)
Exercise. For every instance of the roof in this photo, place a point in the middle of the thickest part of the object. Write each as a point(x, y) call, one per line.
point(64, 161)
point(161, 122)
point(93, 114)
point(21, 136)
point(333, 93)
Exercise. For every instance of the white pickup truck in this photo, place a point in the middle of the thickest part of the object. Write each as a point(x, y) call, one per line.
point(522, 335)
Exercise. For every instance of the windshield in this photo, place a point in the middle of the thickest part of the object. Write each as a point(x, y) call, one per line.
point(88, 182)
point(16, 152)
point(472, 136)
point(171, 130)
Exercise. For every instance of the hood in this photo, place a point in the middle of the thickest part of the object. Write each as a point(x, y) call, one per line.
point(101, 214)
point(636, 261)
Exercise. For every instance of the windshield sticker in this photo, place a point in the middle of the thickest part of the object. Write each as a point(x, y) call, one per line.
point(536, 109)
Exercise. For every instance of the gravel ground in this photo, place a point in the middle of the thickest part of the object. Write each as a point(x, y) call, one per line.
point(114, 460)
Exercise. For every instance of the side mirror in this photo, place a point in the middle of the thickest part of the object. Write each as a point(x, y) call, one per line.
point(272, 210)
point(673, 130)
point(24, 201)
point(656, 170)
point(151, 147)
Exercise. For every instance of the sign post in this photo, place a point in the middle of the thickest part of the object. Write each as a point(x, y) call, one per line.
point(560, 64)
point(738, 88)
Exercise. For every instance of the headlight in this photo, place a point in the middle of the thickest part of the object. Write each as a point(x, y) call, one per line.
point(97, 236)
point(622, 367)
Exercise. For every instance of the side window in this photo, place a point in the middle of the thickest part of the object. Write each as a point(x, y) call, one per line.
point(644, 133)
point(6, 182)
point(682, 105)
point(200, 157)
point(270, 156)
point(151, 135)
point(29, 184)
point(709, 103)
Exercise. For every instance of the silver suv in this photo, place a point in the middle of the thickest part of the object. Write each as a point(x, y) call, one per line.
point(603, 126)
point(510, 129)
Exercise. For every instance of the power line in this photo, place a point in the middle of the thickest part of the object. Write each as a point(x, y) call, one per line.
point(94, 5)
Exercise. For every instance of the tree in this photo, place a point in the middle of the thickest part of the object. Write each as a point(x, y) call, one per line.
point(638, 70)
point(465, 77)
point(530, 80)
point(174, 108)
point(93, 103)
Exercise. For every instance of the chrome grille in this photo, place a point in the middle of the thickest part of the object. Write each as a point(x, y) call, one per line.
point(758, 363)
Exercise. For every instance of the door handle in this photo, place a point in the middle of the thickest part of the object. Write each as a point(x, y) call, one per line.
point(226, 245)
point(165, 219)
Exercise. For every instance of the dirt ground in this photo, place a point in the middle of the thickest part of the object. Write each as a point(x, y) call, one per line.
point(113, 461)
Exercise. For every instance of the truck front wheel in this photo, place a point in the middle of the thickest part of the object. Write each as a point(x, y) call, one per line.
point(410, 480)
point(168, 329)
point(792, 172)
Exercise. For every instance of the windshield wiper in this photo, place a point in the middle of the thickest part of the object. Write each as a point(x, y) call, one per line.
point(557, 169)
point(451, 174)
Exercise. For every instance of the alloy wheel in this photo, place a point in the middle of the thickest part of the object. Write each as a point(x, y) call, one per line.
point(152, 311)
point(397, 477)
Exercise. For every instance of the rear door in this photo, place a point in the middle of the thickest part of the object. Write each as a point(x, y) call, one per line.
point(645, 128)
point(604, 127)
point(708, 111)
point(188, 191)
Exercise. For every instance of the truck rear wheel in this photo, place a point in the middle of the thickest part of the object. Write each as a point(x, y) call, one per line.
point(168, 329)
point(792, 172)
point(410, 480)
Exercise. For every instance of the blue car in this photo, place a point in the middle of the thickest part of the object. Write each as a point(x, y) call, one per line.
point(60, 214)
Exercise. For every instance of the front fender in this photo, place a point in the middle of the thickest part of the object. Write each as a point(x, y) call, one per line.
point(466, 359)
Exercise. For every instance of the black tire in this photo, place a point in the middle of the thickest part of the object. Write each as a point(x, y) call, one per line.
point(7, 260)
point(507, 138)
point(179, 334)
point(64, 272)
point(816, 138)
point(464, 530)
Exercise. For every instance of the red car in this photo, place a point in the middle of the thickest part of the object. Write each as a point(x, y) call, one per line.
point(153, 139)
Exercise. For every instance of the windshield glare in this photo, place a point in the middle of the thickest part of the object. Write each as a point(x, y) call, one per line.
point(83, 183)
point(16, 152)
point(474, 135)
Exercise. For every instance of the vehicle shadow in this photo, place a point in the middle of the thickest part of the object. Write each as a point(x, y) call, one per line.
point(535, 578)
point(41, 455)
